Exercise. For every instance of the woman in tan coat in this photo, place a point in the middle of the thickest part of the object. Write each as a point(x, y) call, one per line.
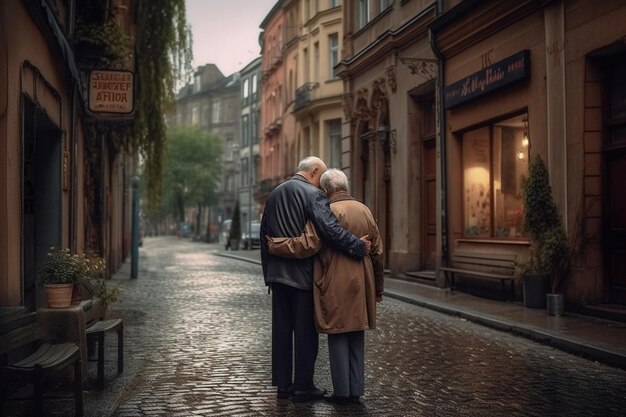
point(345, 290)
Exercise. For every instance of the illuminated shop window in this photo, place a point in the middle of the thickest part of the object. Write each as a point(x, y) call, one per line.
point(495, 158)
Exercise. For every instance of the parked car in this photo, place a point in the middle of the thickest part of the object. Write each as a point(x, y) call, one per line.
point(252, 240)
point(184, 230)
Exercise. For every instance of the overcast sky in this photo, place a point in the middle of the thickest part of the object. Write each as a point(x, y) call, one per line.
point(226, 32)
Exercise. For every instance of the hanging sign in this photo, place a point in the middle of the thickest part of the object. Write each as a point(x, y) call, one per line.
point(111, 91)
point(502, 73)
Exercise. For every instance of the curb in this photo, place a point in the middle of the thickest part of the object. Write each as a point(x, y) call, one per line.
point(569, 345)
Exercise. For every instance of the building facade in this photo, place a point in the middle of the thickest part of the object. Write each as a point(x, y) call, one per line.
point(273, 149)
point(523, 79)
point(389, 145)
point(212, 102)
point(64, 176)
point(316, 89)
point(445, 103)
point(249, 142)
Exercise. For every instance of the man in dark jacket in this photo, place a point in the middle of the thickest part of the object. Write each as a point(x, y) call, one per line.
point(289, 206)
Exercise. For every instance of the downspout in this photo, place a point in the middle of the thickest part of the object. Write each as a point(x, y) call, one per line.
point(73, 185)
point(442, 141)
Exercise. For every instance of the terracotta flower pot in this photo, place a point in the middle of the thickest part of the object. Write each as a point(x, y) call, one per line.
point(76, 296)
point(59, 295)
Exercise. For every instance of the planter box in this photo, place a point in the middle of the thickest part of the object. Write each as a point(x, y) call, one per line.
point(535, 289)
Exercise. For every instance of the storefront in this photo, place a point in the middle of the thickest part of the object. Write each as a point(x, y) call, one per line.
point(523, 79)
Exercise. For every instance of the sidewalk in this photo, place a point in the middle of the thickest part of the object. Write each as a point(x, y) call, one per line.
point(595, 339)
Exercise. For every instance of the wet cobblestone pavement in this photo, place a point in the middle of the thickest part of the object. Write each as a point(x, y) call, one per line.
point(197, 343)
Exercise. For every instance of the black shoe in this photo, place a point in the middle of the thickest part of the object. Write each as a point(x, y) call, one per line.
point(355, 399)
point(308, 395)
point(338, 399)
point(282, 393)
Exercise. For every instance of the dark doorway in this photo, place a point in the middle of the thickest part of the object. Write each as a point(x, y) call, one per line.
point(41, 196)
point(615, 172)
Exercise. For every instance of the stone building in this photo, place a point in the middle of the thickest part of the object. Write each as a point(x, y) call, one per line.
point(64, 173)
point(249, 142)
point(445, 102)
point(213, 103)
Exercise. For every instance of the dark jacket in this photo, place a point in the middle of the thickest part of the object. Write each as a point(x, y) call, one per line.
point(287, 210)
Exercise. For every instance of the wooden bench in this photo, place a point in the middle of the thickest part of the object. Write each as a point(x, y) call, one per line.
point(497, 266)
point(96, 331)
point(20, 334)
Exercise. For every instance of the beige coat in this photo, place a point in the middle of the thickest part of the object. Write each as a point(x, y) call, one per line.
point(344, 289)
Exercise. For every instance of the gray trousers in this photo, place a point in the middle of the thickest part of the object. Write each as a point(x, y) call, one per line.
point(347, 363)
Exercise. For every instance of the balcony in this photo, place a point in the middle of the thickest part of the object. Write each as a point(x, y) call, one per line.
point(305, 94)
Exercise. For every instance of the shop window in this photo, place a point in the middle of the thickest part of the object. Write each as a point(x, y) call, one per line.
point(495, 158)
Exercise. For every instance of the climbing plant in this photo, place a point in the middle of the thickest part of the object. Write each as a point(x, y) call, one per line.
point(162, 58)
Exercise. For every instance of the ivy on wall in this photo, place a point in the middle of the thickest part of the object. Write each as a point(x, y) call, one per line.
point(162, 57)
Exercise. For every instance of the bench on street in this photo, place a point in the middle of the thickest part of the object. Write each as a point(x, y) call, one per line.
point(495, 266)
point(96, 330)
point(26, 357)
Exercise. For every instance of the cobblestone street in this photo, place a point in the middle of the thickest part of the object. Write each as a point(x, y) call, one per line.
point(197, 342)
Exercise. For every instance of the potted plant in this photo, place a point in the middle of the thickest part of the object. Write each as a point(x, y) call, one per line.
point(235, 229)
point(549, 252)
point(62, 270)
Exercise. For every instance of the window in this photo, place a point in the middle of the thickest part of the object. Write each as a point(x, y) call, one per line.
point(245, 131)
point(333, 53)
point(255, 81)
point(316, 62)
point(204, 116)
point(334, 3)
point(305, 53)
point(334, 141)
point(495, 158)
point(245, 174)
point(384, 4)
point(195, 115)
point(363, 13)
point(217, 110)
point(230, 148)
point(246, 89)
point(197, 83)
point(255, 126)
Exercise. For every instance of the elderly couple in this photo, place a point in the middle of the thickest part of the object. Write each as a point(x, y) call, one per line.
point(333, 292)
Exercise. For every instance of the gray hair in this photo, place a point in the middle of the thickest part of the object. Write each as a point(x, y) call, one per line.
point(309, 163)
point(334, 180)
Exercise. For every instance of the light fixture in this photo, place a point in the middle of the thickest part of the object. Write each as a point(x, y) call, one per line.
point(382, 132)
point(525, 137)
point(520, 155)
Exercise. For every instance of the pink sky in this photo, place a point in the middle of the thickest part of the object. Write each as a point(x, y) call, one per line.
point(226, 32)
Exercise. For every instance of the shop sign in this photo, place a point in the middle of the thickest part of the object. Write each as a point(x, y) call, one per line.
point(502, 73)
point(111, 91)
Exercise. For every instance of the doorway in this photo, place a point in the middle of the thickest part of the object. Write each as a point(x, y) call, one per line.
point(615, 171)
point(41, 195)
point(427, 129)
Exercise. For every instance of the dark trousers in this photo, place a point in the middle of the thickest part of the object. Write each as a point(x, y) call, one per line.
point(293, 335)
point(347, 363)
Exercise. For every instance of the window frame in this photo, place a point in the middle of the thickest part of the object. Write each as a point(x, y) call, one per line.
point(490, 127)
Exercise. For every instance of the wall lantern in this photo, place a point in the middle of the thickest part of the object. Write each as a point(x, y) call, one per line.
point(386, 137)
point(521, 154)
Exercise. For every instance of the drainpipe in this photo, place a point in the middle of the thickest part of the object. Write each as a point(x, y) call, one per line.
point(442, 142)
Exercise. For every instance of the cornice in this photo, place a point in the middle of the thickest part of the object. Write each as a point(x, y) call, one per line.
point(412, 30)
point(459, 32)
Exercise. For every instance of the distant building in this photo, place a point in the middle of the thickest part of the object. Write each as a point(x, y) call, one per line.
point(276, 148)
point(212, 102)
point(249, 142)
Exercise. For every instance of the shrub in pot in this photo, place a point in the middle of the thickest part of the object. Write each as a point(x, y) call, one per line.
point(63, 271)
point(549, 252)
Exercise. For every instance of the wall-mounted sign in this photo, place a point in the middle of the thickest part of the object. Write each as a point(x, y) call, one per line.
point(111, 91)
point(509, 70)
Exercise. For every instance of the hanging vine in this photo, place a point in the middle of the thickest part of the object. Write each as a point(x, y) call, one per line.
point(162, 58)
